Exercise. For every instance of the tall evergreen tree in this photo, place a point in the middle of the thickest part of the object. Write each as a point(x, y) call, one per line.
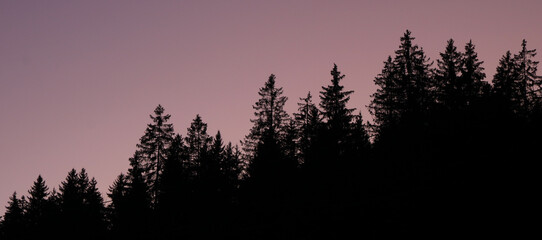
point(472, 74)
point(388, 100)
point(230, 168)
point(153, 149)
point(505, 84)
point(270, 118)
point(359, 139)
point(172, 179)
point(138, 199)
point(448, 75)
point(94, 210)
point(14, 224)
point(37, 207)
point(118, 215)
point(197, 146)
point(308, 121)
point(338, 116)
point(530, 82)
point(265, 141)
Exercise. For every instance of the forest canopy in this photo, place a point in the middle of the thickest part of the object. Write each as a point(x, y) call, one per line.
point(448, 153)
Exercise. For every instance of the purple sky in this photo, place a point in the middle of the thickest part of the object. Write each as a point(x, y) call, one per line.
point(78, 79)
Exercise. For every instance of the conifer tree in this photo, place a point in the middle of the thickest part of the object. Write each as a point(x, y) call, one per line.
point(138, 200)
point(37, 207)
point(230, 168)
point(197, 146)
point(265, 141)
point(118, 215)
point(172, 180)
point(359, 139)
point(94, 210)
point(448, 75)
point(506, 85)
point(308, 121)
point(270, 118)
point(388, 100)
point(333, 100)
point(153, 149)
point(530, 82)
point(14, 224)
point(472, 74)
point(414, 75)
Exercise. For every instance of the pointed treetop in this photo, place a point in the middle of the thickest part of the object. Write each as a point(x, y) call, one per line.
point(159, 110)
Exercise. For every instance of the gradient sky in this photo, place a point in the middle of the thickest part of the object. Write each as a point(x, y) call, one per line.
point(78, 79)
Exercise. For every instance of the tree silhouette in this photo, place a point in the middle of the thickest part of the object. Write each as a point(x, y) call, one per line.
point(118, 208)
point(448, 77)
point(153, 149)
point(451, 156)
point(13, 224)
point(308, 123)
point(530, 82)
point(36, 213)
point(506, 85)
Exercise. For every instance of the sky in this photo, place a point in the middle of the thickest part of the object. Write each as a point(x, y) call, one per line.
point(78, 79)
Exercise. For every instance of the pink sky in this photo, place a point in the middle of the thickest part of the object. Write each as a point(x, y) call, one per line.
point(78, 80)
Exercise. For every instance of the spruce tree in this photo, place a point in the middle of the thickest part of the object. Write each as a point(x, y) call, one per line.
point(269, 119)
point(449, 90)
point(333, 101)
point(388, 101)
point(94, 210)
point(37, 207)
point(197, 147)
point(308, 121)
point(359, 139)
point(472, 74)
point(118, 215)
point(265, 141)
point(230, 169)
point(14, 224)
point(153, 149)
point(172, 179)
point(138, 200)
point(531, 84)
point(414, 76)
point(506, 86)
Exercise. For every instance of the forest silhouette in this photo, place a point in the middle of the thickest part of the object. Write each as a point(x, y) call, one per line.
point(448, 155)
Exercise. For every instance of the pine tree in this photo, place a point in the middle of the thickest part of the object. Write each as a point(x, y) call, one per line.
point(448, 75)
point(215, 161)
point(531, 84)
point(291, 143)
point(13, 224)
point(197, 146)
point(37, 207)
point(72, 204)
point(336, 114)
point(153, 149)
point(81, 205)
point(118, 215)
point(388, 101)
point(138, 199)
point(94, 210)
point(414, 76)
point(270, 118)
point(472, 74)
point(264, 143)
point(172, 177)
point(359, 139)
point(230, 168)
point(506, 85)
point(308, 122)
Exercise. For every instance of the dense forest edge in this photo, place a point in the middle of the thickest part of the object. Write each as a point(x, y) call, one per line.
point(448, 155)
